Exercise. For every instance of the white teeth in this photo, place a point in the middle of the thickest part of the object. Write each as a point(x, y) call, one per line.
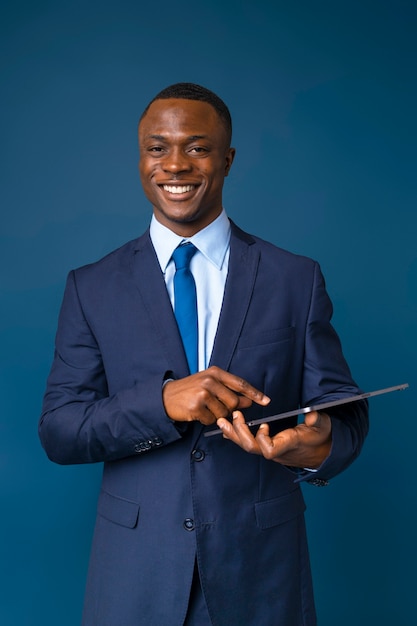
point(178, 189)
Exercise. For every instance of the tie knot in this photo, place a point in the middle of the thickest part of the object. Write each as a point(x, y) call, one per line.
point(183, 254)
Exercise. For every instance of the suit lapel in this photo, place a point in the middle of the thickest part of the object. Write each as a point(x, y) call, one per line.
point(150, 283)
point(243, 266)
point(149, 280)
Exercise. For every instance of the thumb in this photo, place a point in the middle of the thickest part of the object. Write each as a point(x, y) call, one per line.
point(313, 419)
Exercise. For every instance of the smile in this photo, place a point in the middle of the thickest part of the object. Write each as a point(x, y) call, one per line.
point(178, 188)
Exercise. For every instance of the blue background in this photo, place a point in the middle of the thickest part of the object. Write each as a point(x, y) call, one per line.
point(324, 100)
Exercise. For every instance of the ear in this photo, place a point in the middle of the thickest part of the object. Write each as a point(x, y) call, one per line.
point(230, 155)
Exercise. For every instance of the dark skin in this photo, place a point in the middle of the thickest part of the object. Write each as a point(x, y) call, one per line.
point(306, 445)
point(184, 159)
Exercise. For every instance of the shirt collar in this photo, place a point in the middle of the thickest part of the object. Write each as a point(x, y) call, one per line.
point(213, 241)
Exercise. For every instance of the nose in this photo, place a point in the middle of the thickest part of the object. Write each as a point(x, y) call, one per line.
point(176, 161)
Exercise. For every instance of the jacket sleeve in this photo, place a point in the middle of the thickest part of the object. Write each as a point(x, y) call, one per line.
point(327, 377)
point(80, 421)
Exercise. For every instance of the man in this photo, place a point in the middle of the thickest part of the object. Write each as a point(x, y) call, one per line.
point(191, 529)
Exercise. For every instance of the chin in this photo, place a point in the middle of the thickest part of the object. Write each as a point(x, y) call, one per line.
point(181, 216)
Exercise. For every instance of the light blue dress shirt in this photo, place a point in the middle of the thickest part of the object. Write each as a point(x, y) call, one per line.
point(209, 267)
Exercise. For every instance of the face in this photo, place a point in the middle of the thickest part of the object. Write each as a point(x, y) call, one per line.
point(184, 158)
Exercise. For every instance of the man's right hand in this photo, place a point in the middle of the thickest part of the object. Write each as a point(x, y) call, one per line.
point(209, 395)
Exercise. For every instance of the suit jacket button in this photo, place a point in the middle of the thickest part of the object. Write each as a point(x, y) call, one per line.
point(198, 455)
point(189, 524)
point(157, 441)
point(143, 446)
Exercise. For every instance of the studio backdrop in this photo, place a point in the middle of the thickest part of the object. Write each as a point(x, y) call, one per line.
point(323, 100)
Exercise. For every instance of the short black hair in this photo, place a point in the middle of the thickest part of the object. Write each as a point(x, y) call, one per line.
point(191, 91)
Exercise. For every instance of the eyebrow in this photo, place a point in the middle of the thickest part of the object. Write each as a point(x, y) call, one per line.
point(190, 138)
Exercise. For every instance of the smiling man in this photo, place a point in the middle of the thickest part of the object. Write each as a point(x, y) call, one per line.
point(185, 154)
point(195, 530)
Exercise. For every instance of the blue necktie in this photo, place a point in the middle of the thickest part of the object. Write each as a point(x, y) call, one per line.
point(185, 303)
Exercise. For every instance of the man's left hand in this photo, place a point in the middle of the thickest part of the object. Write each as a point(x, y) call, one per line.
point(306, 445)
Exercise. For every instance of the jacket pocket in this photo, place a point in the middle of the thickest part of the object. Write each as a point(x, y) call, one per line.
point(279, 510)
point(266, 337)
point(118, 510)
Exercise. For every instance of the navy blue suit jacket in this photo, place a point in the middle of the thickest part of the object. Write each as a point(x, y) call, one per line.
point(169, 494)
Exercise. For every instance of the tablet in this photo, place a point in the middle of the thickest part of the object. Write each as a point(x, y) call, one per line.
point(316, 407)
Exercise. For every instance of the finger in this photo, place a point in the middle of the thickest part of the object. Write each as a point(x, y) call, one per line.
point(219, 399)
point(225, 426)
point(239, 433)
point(241, 386)
point(213, 391)
point(282, 443)
point(228, 428)
point(318, 421)
point(246, 438)
point(313, 419)
point(220, 406)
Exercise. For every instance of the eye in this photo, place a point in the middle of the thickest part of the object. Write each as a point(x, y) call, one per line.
point(198, 149)
point(155, 151)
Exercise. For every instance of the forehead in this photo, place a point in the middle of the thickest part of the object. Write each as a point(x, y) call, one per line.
point(180, 117)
